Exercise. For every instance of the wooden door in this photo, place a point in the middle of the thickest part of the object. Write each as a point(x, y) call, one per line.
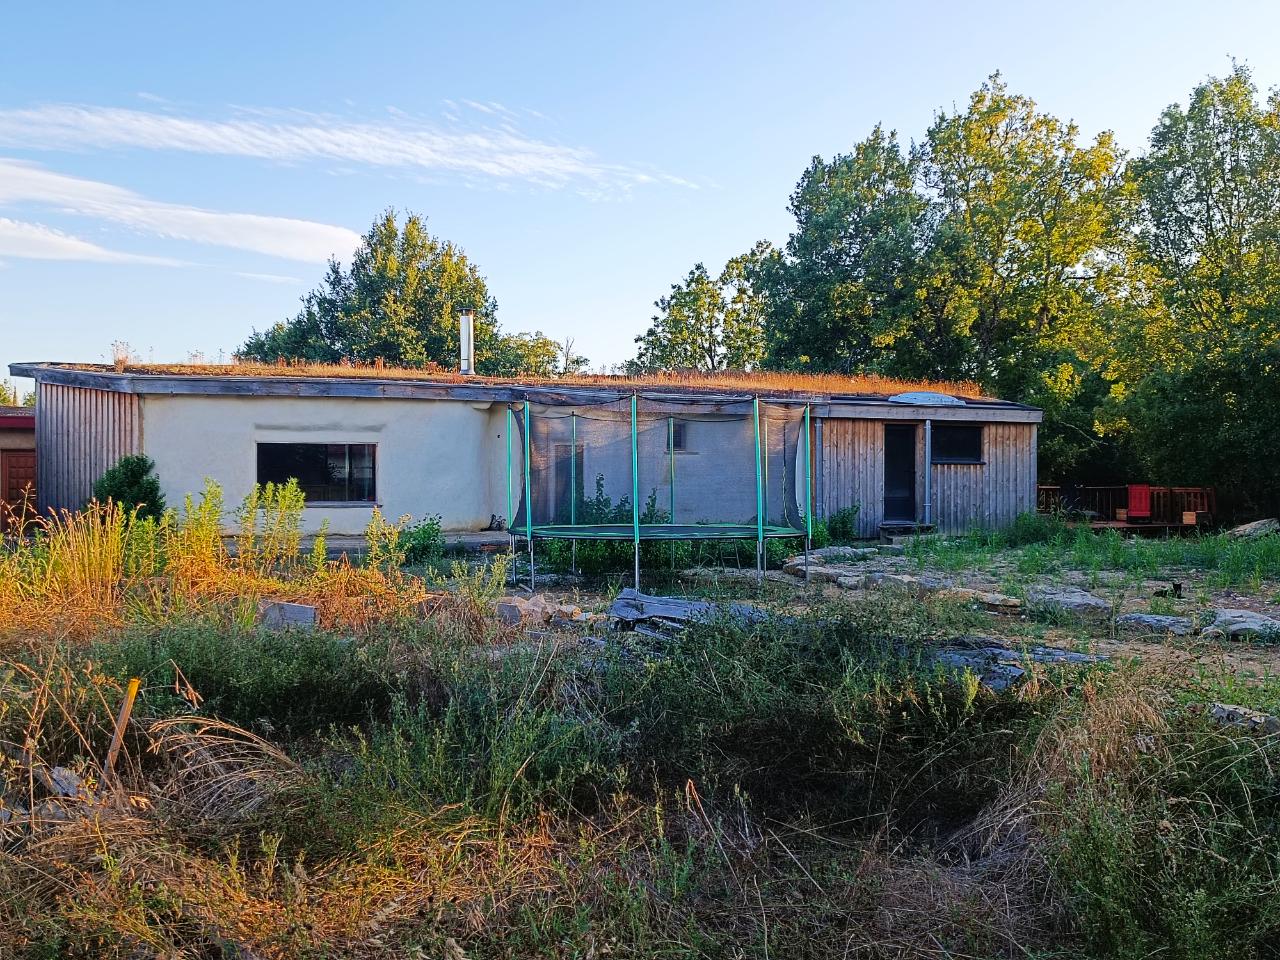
point(17, 484)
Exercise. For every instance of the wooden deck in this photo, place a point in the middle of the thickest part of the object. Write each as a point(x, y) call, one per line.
point(1163, 509)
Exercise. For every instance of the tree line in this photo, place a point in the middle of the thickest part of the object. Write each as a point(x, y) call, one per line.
point(1136, 299)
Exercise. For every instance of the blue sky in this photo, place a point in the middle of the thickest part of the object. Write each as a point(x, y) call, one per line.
point(176, 175)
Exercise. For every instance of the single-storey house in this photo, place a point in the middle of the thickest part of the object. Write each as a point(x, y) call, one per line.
point(417, 443)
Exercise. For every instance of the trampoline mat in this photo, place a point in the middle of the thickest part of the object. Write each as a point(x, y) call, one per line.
point(656, 531)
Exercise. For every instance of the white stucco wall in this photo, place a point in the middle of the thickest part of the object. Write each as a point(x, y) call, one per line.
point(433, 456)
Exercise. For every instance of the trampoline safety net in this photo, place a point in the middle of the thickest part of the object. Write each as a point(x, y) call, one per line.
point(637, 468)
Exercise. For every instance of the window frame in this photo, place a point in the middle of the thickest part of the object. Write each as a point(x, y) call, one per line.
point(975, 460)
point(680, 435)
point(371, 502)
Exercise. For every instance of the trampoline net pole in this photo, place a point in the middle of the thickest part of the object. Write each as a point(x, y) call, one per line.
point(635, 490)
point(528, 493)
point(808, 496)
point(573, 489)
point(671, 457)
point(755, 407)
point(511, 537)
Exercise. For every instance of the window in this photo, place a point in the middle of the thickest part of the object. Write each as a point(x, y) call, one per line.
point(957, 444)
point(326, 472)
point(677, 437)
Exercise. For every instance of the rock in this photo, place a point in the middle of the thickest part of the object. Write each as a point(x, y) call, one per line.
point(993, 602)
point(62, 782)
point(822, 573)
point(917, 585)
point(279, 615)
point(1232, 624)
point(892, 549)
point(999, 666)
point(1228, 714)
point(1155, 623)
point(1068, 601)
point(1258, 528)
point(842, 553)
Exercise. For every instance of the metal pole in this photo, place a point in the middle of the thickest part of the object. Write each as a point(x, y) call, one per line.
point(671, 456)
point(573, 490)
point(928, 472)
point(635, 490)
point(511, 537)
point(528, 493)
point(759, 493)
point(808, 496)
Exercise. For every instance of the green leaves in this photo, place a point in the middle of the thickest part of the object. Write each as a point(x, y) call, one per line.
point(399, 303)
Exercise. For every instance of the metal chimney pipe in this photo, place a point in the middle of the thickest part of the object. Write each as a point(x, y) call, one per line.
point(467, 341)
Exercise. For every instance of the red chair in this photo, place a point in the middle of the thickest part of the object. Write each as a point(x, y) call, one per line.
point(1139, 501)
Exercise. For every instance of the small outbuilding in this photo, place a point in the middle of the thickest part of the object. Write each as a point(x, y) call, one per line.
point(418, 443)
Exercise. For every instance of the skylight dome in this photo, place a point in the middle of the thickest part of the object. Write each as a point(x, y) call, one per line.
point(927, 398)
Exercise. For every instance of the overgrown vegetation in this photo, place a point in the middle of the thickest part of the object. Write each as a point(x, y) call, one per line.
point(417, 779)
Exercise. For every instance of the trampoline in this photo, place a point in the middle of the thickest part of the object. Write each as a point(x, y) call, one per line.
point(637, 467)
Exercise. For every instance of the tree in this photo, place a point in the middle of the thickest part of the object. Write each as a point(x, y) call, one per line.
point(1197, 364)
point(9, 396)
point(707, 323)
point(846, 290)
point(399, 303)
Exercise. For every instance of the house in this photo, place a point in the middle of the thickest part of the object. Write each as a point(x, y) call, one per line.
point(17, 461)
point(418, 443)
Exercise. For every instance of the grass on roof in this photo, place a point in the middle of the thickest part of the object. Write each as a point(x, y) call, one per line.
point(777, 382)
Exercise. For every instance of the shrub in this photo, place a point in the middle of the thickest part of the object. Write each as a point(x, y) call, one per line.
point(132, 483)
point(842, 525)
point(423, 541)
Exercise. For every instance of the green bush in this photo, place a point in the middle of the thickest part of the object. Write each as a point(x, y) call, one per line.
point(423, 541)
point(842, 525)
point(289, 681)
point(1028, 528)
point(132, 483)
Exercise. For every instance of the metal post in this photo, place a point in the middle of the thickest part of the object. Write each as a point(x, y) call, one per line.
point(635, 490)
point(528, 493)
point(511, 537)
point(759, 493)
point(573, 490)
point(671, 456)
point(808, 496)
point(928, 472)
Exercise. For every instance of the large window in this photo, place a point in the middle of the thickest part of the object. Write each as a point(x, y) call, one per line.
point(956, 443)
point(326, 472)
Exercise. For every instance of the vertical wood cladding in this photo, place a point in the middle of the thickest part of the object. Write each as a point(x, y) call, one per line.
point(987, 495)
point(81, 432)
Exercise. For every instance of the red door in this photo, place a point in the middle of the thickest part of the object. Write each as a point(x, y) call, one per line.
point(17, 485)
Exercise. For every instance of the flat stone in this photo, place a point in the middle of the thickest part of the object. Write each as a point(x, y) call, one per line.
point(822, 573)
point(892, 549)
point(279, 615)
point(1255, 721)
point(1155, 623)
point(917, 585)
point(999, 666)
point(1068, 601)
point(1235, 624)
point(994, 602)
point(1258, 528)
point(842, 553)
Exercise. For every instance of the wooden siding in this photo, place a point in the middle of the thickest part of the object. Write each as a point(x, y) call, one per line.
point(80, 432)
point(851, 464)
point(850, 468)
point(991, 494)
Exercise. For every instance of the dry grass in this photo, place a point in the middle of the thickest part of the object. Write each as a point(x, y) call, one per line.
point(781, 383)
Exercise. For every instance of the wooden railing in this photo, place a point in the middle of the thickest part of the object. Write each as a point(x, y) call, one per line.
point(1168, 504)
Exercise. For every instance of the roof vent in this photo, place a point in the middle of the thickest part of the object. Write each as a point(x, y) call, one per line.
point(927, 398)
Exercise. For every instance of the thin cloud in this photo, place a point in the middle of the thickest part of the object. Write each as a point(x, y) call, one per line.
point(304, 240)
point(268, 277)
point(504, 154)
point(35, 241)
